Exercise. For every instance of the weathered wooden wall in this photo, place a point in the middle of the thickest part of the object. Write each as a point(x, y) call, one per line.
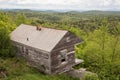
point(35, 57)
point(56, 65)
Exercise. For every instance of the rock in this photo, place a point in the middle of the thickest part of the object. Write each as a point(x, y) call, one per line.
point(78, 73)
point(3, 74)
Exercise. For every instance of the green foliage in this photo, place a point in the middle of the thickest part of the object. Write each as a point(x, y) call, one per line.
point(91, 76)
point(100, 48)
point(101, 53)
point(16, 69)
point(5, 46)
point(20, 19)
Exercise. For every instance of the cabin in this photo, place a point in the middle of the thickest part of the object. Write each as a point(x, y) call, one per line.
point(49, 50)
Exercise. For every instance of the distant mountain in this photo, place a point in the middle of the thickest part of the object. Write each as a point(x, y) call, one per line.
point(74, 12)
point(92, 12)
point(102, 12)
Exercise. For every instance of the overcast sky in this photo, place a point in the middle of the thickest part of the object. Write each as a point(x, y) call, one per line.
point(61, 4)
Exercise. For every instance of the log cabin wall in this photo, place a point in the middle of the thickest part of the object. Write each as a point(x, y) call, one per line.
point(66, 45)
point(35, 57)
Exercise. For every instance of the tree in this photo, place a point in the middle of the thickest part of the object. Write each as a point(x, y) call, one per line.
point(6, 49)
point(21, 19)
point(100, 51)
point(116, 32)
point(5, 44)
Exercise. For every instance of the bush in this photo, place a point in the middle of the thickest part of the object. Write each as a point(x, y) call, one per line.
point(91, 76)
point(6, 49)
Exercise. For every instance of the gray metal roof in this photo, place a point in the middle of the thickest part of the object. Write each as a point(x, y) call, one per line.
point(46, 39)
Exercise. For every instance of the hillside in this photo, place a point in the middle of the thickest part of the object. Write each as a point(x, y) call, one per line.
point(100, 51)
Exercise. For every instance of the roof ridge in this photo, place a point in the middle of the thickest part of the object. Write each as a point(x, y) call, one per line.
point(45, 27)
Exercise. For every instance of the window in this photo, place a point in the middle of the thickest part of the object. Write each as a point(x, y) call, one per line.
point(63, 56)
point(43, 68)
point(27, 52)
point(22, 49)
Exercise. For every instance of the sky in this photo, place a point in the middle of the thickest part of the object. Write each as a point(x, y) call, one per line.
point(80, 5)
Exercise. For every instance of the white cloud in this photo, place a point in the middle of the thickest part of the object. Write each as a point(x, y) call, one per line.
point(62, 4)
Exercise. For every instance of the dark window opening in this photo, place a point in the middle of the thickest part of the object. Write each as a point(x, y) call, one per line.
point(42, 68)
point(62, 60)
point(27, 51)
point(63, 55)
point(23, 49)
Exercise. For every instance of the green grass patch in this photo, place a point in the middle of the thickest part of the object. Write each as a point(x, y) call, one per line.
point(16, 69)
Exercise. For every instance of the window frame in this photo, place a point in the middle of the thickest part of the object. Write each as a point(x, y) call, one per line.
point(63, 56)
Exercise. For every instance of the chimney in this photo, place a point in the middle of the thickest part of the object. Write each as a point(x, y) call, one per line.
point(39, 28)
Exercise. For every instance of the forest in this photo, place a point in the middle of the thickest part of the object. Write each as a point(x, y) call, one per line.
point(100, 50)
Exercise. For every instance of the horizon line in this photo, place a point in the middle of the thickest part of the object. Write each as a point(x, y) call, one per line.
point(61, 10)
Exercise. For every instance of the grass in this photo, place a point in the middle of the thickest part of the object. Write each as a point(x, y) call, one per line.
point(16, 69)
